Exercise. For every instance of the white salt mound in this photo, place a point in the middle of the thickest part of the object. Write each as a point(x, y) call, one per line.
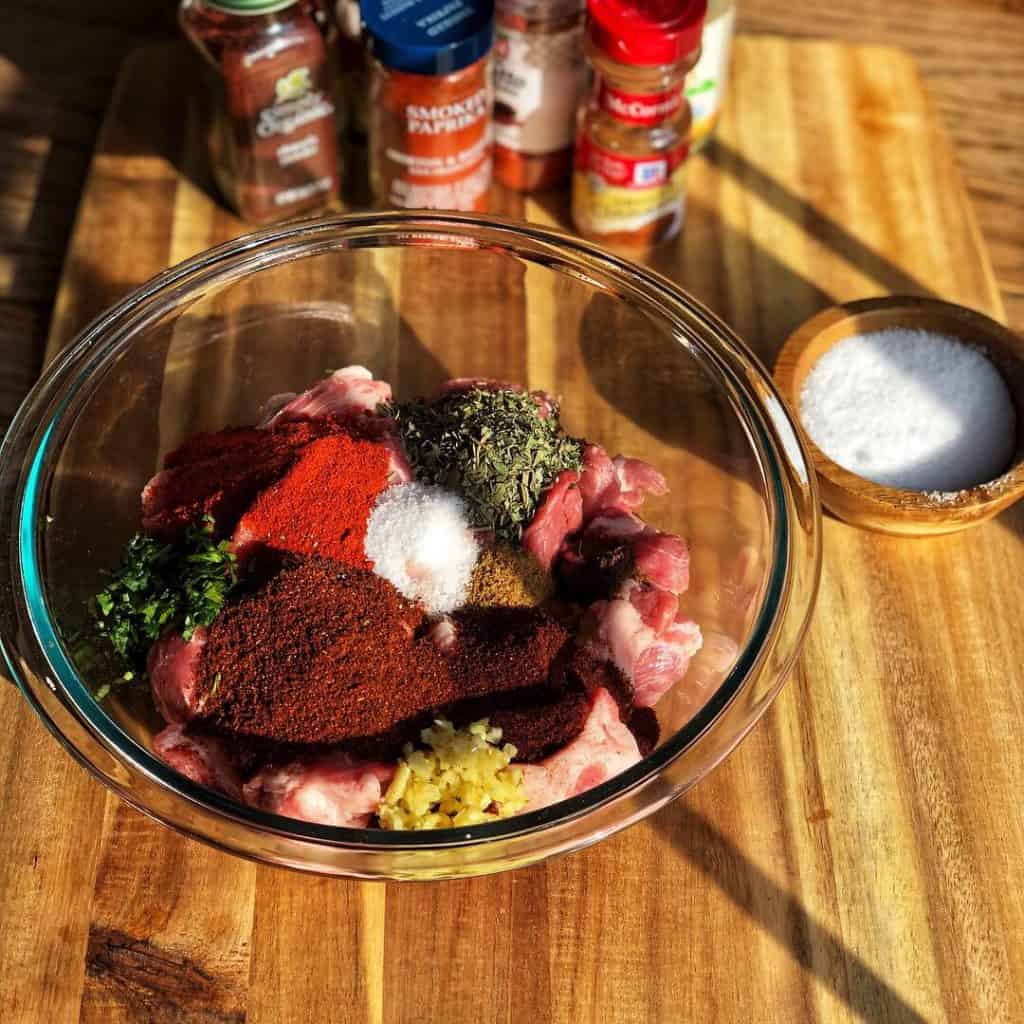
point(910, 409)
point(419, 539)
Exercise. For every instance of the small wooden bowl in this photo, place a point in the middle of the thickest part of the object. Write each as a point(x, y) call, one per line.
point(887, 509)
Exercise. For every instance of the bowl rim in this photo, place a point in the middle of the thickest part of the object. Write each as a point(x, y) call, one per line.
point(70, 372)
point(895, 502)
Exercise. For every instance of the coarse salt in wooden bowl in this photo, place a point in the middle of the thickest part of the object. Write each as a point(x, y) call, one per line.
point(872, 506)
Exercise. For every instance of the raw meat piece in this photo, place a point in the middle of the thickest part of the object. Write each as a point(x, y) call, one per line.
point(560, 513)
point(637, 478)
point(332, 789)
point(349, 390)
point(603, 749)
point(657, 607)
point(203, 759)
point(443, 633)
point(659, 557)
point(173, 666)
point(222, 487)
point(641, 633)
point(599, 484)
point(618, 484)
point(662, 558)
point(399, 468)
point(665, 662)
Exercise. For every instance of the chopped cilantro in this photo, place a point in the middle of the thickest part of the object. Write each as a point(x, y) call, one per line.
point(159, 586)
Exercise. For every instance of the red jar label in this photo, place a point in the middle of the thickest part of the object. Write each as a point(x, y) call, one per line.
point(433, 146)
point(620, 193)
point(625, 171)
point(638, 108)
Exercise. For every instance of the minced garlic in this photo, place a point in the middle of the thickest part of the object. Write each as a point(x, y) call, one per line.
point(464, 778)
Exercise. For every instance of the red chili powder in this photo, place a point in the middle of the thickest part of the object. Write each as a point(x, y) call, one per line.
point(321, 504)
point(220, 474)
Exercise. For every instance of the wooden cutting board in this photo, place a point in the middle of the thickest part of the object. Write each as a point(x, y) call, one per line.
point(859, 857)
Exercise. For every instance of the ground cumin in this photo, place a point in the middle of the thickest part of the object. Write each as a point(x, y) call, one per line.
point(510, 578)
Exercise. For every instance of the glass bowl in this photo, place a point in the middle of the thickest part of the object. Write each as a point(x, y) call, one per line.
point(640, 367)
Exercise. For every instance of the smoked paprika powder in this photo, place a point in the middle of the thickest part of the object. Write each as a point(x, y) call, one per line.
point(269, 114)
point(430, 134)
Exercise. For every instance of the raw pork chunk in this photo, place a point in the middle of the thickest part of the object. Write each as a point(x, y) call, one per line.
point(332, 789)
point(604, 749)
point(173, 666)
point(203, 759)
point(642, 632)
point(559, 514)
point(349, 390)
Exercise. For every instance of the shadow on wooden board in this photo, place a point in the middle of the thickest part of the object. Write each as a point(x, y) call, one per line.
point(809, 942)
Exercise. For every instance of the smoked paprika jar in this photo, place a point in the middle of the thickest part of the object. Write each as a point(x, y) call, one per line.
point(430, 132)
point(633, 132)
point(269, 112)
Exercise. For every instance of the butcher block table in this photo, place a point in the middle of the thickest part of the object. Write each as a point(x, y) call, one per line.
point(860, 856)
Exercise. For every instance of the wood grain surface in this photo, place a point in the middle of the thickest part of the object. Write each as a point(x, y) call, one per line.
point(858, 858)
point(59, 58)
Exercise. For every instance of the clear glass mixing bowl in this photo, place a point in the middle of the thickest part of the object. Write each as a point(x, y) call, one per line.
point(641, 368)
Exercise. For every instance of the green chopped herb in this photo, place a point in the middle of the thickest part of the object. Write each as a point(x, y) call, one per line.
point(492, 447)
point(159, 586)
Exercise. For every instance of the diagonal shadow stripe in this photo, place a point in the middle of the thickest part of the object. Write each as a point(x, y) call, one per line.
point(809, 942)
point(819, 226)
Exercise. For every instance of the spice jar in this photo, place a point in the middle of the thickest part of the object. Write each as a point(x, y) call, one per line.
point(351, 50)
point(633, 131)
point(538, 79)
point(270, 118)
point(430, 139)
point(705, 84)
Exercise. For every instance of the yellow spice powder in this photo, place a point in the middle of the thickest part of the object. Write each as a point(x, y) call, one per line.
point(508, 578)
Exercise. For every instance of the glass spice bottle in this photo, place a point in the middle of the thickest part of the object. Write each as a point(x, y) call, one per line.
point(705, 85)
point(538, 80)
point(269, 116)
point(430, 130)
point(351, 48)
point(632, 135)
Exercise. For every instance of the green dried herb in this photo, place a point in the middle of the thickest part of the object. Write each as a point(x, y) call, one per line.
point(159, 586)
point(492, 447)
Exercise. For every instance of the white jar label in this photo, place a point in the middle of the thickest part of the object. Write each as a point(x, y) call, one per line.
point(705, 84)
point(537, 85)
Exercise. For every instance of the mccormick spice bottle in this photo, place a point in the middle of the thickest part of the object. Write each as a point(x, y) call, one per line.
point(538, 79)
point(270, 116)
point(633, 132)
point(430, 138)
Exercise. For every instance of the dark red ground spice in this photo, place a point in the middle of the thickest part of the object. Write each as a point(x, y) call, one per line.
point(325, 653)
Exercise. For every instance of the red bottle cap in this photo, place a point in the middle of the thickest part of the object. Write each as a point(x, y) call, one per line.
point(646, 32)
